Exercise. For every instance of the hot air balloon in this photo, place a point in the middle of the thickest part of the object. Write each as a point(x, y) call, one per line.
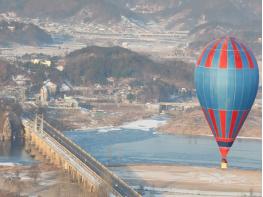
point(226, 81)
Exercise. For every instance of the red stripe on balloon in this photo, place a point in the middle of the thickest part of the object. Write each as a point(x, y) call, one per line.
point(206, 117)
point(243, 117)
point(223, 55)
point(211, 54)
point(212, 116)
point(250, 61)
point(238, 60)
point(233, 122)
point(201, 56)
point(222, 114)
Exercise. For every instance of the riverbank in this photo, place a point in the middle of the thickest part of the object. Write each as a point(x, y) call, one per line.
point(105, 115)
point(176, 180)
point(192, 122)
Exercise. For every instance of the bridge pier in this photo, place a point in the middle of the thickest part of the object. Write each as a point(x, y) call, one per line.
point(66, 166)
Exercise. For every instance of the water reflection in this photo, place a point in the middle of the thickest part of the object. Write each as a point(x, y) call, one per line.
point(13, 147)
point(14, 152)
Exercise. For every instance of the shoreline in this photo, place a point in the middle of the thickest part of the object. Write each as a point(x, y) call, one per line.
point(176, 180)
point(230, 168)
point(123, 124)
point(192, 122)
point(186, 123)
point(205, 135)
point(109, 115)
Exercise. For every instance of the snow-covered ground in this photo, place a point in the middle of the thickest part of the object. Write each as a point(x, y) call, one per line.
point(9, 164)
point(146, 124)
point(143, 125)
point(175, 180)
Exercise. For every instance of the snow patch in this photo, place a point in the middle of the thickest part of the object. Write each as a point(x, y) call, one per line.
point(145, 125)
point(9, 164)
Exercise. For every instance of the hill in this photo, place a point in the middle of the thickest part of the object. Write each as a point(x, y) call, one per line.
point(21, 33)
point(95, 64)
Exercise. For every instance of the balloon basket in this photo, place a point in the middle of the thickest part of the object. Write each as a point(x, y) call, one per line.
point(224, 164)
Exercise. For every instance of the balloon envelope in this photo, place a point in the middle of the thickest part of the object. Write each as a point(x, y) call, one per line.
point(226, 80)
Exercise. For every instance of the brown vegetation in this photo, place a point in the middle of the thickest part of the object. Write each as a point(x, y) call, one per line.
point(107, 115)
point(192, 122)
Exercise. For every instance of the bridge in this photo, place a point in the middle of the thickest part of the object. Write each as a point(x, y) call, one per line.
point(43, 139)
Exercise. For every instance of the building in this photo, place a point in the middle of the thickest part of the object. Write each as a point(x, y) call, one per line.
point(70, 102)
point(48, 90)
point(43, 62)
point(51, 87)
point(21, 80)
point(43, 95)
point(46, 63)
point(67, 102)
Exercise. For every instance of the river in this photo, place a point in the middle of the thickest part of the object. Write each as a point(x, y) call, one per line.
point(138, 142)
